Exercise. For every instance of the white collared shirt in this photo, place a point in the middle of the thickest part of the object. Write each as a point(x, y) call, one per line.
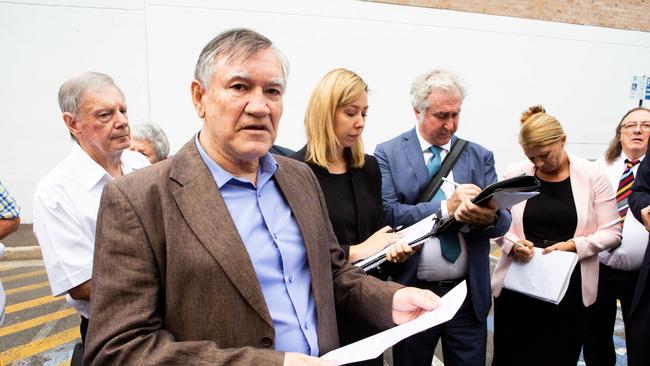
point(433, 266)
point(629, 256)
point(65, 213)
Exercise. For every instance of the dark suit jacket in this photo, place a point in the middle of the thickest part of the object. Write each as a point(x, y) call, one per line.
point(173, 283)
point(366, 183)
point(280, 150)
point(404, 177)
point(638, 352)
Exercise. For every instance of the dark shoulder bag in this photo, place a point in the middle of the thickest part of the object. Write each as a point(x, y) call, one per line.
point(447, 164)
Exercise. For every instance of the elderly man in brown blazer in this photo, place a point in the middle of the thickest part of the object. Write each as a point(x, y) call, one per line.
point(224, 254)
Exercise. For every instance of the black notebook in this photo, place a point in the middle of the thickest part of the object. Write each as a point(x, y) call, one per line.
point(506, 193)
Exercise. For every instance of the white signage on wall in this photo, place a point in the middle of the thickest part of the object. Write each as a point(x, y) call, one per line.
point(640, 88)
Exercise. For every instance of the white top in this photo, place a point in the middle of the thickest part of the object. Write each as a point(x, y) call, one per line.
point(65, 212)
point(629, 255)
point(433, 266)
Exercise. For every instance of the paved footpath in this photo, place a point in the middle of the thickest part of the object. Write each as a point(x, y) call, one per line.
point(38, 329)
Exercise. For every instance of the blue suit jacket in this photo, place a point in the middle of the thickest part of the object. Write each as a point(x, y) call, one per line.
point(404, 176)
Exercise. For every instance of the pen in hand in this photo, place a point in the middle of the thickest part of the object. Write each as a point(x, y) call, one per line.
point(514, 242)
point(395, 229)
point(451, 182)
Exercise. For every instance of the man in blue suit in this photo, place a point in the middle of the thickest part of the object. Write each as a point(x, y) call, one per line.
point(407, 163)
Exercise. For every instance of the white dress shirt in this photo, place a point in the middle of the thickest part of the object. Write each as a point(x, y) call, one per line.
point(65, 213)
point(629, 255)
point(433, 266)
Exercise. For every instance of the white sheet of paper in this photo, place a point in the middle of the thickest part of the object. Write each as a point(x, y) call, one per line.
point(545, 277)
point(375, 345)
point(507, 199)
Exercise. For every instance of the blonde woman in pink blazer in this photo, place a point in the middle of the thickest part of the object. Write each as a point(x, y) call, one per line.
point(575, 211)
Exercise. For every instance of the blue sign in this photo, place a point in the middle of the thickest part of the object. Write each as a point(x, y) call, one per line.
point(647, 89)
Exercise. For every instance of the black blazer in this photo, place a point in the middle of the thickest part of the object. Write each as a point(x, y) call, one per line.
point(280, 150)
point(366, 184)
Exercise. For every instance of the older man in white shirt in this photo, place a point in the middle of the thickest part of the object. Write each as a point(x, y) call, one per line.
point(67, 198)
point(619, 267)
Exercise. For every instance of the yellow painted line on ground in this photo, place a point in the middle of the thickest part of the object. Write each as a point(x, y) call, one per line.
point(27, 288)
point(38, 346)
point(22, 276)
point(13, 328)
point(66, 363)
point(32, 303)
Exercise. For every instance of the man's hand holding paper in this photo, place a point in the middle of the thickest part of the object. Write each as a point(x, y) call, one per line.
point(411, 302)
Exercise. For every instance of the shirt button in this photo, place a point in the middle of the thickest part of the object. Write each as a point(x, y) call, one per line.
point(290, 279)
point(306, 326)
point(267, 342)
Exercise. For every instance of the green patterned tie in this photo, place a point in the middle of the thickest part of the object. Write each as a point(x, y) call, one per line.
point(449, 243)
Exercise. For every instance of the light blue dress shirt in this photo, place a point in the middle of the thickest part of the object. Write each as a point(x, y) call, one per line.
point(277, 250)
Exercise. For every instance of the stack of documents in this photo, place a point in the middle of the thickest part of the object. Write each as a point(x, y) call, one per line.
point(545, 276)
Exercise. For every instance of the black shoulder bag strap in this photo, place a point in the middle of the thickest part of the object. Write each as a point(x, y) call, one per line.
point(447, 164)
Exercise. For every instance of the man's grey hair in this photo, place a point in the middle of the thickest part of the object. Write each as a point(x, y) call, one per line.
point(72, 90)
point(154, 134)
point(436, 79)
point(237, 43)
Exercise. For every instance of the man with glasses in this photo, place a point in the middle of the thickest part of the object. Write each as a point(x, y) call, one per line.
point(67, 198)
point(619, 267)
point(407, 163)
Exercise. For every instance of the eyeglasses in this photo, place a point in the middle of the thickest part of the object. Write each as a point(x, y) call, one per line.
point(630, 126)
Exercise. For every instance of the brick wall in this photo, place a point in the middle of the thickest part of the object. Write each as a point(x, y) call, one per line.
point(621, 14)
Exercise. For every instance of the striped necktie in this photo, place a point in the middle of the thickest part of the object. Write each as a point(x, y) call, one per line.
point(623, 191)
point(449, 243)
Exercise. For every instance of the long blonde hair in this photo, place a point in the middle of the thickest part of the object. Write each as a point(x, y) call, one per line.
point(539, 129)
point(337, 88)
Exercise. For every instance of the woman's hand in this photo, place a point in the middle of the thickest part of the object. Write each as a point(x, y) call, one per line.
point(567, 246)
point(523, 251)
point(399, 252)
point(376, 242)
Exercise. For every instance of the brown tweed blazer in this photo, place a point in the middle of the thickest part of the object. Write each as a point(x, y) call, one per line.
point(173, 283)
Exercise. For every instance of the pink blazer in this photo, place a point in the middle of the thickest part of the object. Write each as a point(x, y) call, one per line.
point(597, 227)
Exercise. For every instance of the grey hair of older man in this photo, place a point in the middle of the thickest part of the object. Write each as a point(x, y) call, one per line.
point(238, 43)
point(71, 92)
point(434, 80)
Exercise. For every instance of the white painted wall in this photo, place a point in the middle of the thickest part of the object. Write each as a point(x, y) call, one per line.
point(580, 74)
